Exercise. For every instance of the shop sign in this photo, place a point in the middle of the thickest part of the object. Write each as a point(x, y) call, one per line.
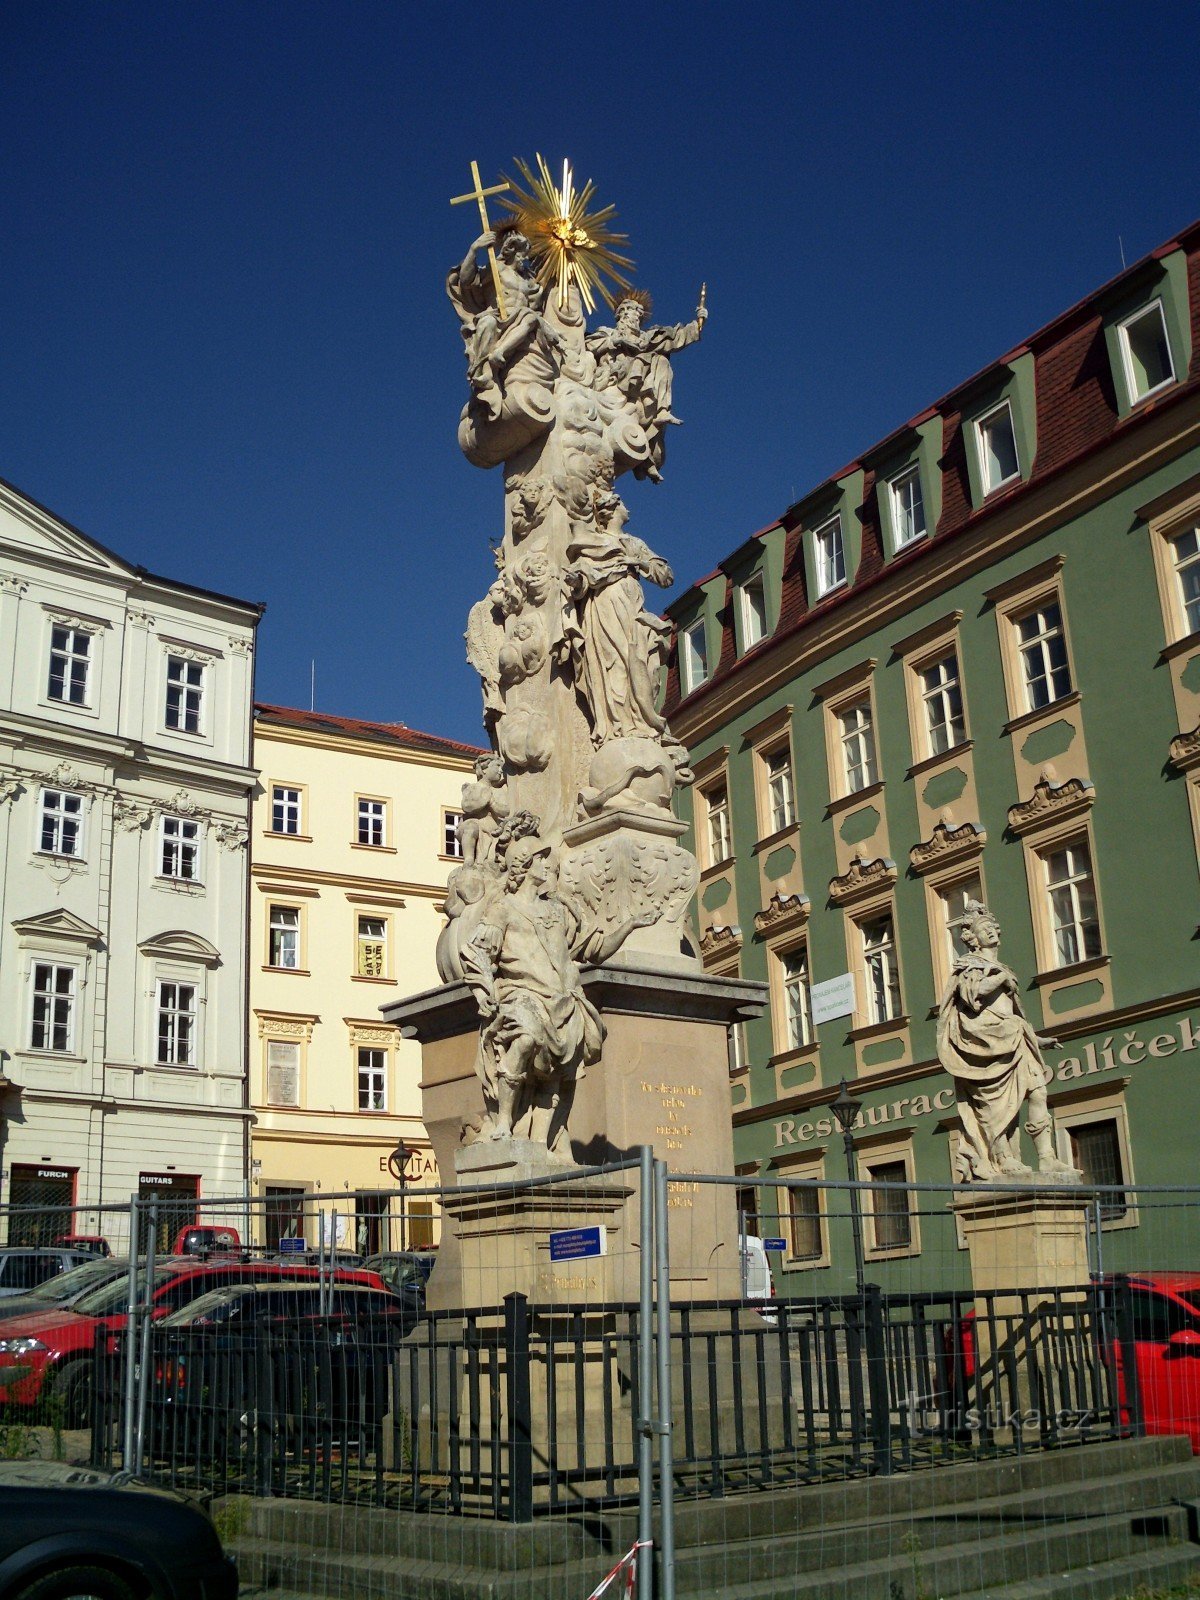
point(54, 1172)
point(1115, 1050)
point(834, 998)
point(159, 1180)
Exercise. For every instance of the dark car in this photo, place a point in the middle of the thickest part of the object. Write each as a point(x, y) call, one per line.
point(23, 1269)
point(68, 1532)
point(66, 1288)
point(397, 1267)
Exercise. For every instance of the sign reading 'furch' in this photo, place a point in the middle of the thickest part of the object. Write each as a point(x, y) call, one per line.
point(834, 998)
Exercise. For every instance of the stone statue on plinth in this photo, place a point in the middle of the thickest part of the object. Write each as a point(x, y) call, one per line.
point(633, 363)
point(989, 1048)
point(540, 1031)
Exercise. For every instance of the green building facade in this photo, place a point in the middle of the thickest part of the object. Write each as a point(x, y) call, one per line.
point(967, 666)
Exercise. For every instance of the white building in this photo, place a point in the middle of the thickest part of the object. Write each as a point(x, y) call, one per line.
point(125, 791)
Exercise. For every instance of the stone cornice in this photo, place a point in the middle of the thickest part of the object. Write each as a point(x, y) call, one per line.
point(861, 879)
point(782, 911)
point(718, 943)
point(1051, 802)
point(946, 844)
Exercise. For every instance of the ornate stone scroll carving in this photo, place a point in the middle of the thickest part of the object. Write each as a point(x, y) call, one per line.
point(231, 835)
point(1050, 799)
point(990, 1050)
point(946, 844)
point(720, 943)
point(129, 815)
point(1185, 750)
point(782, 911)
point(863, 877)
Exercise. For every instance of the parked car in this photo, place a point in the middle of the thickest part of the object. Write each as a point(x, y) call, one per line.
point(206, 1240)
point(274, 1359)
point(51, 1353)
point(403, 1266)
point(23, 1269)
point(90, 1243)
point(72, 1531)
point(67, 1287)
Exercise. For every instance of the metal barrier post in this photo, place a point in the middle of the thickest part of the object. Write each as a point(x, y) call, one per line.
point(143, 1339)
point(878, 1398)
point(666, 1438)
point(1129, 1371)
point(645, 1425)
point(520, 1420)
point(129, 1398)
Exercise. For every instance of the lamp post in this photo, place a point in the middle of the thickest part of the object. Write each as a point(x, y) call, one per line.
point(397, 1162)
point(845, 1109)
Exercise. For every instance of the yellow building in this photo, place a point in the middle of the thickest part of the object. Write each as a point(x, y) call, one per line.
point(355, 829)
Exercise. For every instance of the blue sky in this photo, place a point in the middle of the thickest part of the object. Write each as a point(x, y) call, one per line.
point(226, 348)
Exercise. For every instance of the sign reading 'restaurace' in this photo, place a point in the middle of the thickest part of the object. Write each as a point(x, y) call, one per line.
point(1128, 1049)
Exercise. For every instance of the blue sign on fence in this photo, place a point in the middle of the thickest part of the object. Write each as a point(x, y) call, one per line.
point(775, 1244)
point(571, 1244)
point(292, 1247)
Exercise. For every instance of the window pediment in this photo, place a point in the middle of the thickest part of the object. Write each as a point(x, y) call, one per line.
point(179, 945)
point(58, 924)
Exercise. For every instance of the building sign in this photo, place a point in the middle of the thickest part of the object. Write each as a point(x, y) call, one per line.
point(1115, 1050)
point(834, 998)
point(779, 1245)
point(572, 1244)
point(292, 1247)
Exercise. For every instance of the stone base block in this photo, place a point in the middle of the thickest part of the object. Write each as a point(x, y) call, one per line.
point(1034, 1240)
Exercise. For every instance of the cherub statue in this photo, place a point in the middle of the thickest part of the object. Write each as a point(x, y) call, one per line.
point(988, 1047)
point(632, 362)
point(484, 808)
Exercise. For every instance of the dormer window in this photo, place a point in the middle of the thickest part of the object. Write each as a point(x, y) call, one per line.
point(1146, 352)
point(997, 447)
point(908, 508)
point(753, 606)
point(693, 657)
point(830, 556)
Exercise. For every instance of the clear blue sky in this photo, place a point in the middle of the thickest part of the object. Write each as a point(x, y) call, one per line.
point(226, 349)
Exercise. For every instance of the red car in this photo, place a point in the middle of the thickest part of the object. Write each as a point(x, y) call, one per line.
point(1162, 1311)
point(50, 1353)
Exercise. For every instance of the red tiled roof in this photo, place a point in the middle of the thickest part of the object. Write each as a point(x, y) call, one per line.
point(1076, 412)
point(357, 728)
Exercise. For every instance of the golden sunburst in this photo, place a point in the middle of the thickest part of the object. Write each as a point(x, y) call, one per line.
point(570, 243)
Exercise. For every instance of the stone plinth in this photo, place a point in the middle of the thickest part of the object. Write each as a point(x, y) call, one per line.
point(663, 1080)
point(623, 862)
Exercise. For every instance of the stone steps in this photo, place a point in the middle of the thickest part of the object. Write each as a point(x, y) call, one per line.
point(1120, 1579)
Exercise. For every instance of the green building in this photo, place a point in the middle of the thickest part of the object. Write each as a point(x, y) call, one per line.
point(967, 666)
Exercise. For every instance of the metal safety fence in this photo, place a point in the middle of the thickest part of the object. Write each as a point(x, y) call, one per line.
point(860, 1332)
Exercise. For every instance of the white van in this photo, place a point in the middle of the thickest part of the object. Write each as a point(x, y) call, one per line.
point(757, 1283)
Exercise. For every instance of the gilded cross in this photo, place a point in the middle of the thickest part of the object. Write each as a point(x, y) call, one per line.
point(480, 194)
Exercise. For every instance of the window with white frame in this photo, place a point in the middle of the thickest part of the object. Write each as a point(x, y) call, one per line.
point(797, 997)
point(830, 555)
point(805, 1224)
point(70, 665)
point(372, 822)
point(753, 606)
point(451, 840)
point(52, 1025)
point(941, 695)
point(283, 937)
point(176, 1034)
point(781, 790)
point(693, 657)
point(372, 1079)
point(1096, 1151)
point(285, 809)
point(891, 1208)
point(1185, 555)
point(997, 447)
point(1074, 918)
point(856, 730)
point(720, 836)
point(908, 508)
point(185, 694)
point(180, 849)
point(1042, 645)
point(1146, 352)
point(372, 947)
point(283, 1072)
point(881, 968)
point(953, 898)
point(60, 829)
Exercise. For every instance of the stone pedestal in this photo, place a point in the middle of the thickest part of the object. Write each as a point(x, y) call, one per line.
point(623, 862)
point(1029, 1255)
point(663, 1080)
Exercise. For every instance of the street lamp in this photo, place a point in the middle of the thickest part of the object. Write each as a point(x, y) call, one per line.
point(397, 1162)
point(845, 1109)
